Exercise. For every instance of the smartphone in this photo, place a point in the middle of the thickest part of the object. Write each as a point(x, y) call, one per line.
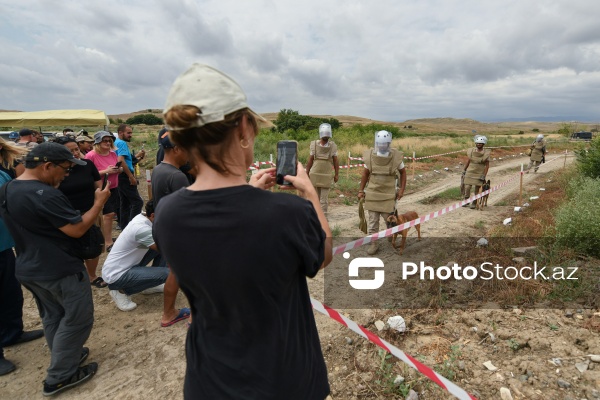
point(118, 165)
point(287, 161)
point(104, 181)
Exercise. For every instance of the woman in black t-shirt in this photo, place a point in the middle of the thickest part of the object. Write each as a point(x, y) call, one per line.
point(241, 254)
point(79, 186)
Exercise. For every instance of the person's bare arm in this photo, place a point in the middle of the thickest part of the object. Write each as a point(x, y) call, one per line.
point(400, 191)
point(132, 180)
point(336, 168)
point(363, 182)
point(305, 189)
point(309, 164)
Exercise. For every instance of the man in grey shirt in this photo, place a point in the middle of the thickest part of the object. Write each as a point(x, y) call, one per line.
point(166, 179)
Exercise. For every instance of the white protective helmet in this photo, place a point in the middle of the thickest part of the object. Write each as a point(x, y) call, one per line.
point(382, 142)
point(539, 137)
point(324, 130)
point(480, 139)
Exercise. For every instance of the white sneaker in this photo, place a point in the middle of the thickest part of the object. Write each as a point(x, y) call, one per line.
point(156, 289)
point(122, 301)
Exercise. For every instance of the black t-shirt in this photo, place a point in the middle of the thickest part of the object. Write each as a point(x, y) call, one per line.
point(35, 212)
point(80, 186)
point(242, 256)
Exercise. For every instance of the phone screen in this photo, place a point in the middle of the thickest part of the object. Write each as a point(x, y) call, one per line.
point(287, 160)
point(104, 181)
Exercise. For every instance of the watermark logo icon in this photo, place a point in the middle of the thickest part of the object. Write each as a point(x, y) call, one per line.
point(365, 262)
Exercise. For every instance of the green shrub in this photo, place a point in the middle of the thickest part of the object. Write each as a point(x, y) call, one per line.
point(148, 119)
point(578, 220)
point(589, 160)
point(292, 120)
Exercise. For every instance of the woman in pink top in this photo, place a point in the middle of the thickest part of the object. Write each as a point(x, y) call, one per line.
point(105, 159)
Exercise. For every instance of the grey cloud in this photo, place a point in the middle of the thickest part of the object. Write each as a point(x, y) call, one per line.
point(201, 36)
point(266, 56)
point(316, 77)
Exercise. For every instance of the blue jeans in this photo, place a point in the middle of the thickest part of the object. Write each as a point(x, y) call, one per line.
point(140, 277)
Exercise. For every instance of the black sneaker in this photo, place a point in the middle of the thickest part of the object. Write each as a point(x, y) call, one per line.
point(83, 374)
point(6, 367)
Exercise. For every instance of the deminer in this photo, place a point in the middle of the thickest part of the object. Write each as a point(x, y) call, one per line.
point(382, 167)
point(476, 168)
point(538, 152)
point(323, 156)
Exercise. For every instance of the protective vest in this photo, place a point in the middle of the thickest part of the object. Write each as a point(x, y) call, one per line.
point(380, 193)
point(321, 172)
point(476, 166)
point(537, 150)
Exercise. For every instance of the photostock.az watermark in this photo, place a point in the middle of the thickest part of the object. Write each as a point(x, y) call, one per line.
point(487, 271)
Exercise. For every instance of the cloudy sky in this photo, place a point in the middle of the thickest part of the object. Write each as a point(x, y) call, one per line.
point(386, 60)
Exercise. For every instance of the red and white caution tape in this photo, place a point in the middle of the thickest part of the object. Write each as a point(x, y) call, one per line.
point(257, 165)
point(442, 382)
point(355, 158)
point(436, 155)
point(352, 165)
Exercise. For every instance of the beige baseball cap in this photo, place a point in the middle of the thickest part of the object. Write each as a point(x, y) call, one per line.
point(213, 92)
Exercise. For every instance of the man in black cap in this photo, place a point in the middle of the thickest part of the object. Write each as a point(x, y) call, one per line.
point(36, 212)
point(26, 139)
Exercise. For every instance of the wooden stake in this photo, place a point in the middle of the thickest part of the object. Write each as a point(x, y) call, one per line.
point(348, 167)
point(413, 166)
point(149, 183)
point(565, 163)
point(521, 189)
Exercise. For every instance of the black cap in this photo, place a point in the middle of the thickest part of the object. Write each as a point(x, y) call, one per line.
point(164, 140)
point(49, 152)
point(25, 132)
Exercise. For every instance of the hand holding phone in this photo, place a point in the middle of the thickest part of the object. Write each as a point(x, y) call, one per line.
point(118, 165)
point(287, 161)
point(104, 181)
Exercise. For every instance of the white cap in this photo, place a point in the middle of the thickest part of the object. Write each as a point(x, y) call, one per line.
point(324, 130)
point(539, 137)
point(213, 92)
point(480, 139)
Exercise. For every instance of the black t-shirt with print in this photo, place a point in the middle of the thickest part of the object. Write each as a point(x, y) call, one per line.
point(242, 256)
point(34, 212)
point(80, 185)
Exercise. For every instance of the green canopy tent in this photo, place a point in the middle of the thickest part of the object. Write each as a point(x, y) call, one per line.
point(54, 118)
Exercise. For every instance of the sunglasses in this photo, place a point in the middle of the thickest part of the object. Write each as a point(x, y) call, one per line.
point(67, 169)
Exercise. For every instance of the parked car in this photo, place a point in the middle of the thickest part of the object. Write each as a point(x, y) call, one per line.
point(582, 135)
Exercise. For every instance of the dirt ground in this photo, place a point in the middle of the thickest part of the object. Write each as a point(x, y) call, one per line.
point(537, 352)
